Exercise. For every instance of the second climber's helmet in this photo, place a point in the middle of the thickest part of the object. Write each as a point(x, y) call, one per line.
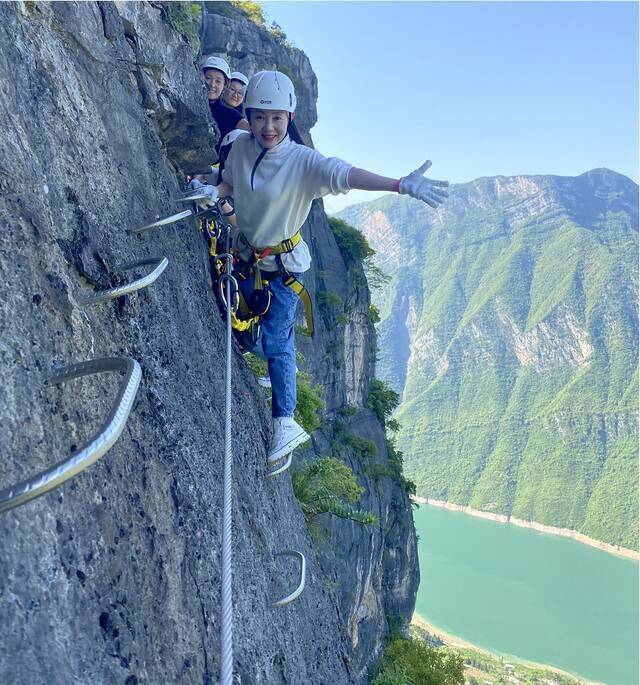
point(217, 63)
point(239, 76)
point(270, 90)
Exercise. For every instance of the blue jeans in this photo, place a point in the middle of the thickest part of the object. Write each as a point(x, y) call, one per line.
point(277, 343)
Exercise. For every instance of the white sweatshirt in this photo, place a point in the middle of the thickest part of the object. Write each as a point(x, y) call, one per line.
point(285, 182)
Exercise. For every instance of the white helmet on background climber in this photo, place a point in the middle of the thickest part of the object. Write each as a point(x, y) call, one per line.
point(239, 76)
point(270, 90)
point(217, 63)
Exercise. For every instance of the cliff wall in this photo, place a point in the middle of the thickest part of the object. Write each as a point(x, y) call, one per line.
point(115, 576)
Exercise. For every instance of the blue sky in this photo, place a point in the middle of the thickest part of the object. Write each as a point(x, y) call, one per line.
point(480, 88)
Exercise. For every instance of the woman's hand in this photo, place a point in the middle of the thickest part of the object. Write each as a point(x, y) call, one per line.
point(425, 189)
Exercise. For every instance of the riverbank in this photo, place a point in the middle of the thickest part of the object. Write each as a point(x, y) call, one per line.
point(541, 527)
point(465, 647)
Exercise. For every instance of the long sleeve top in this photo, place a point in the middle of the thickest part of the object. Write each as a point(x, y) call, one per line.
point(273, 192)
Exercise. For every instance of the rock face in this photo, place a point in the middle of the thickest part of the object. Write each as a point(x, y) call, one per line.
point(511, 329)
point(115, 576)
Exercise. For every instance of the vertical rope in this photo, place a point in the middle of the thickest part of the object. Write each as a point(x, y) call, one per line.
point(226, 634)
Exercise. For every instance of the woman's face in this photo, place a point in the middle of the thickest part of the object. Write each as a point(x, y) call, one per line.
point(234, 93)
point(214, 80)
point(269, 126)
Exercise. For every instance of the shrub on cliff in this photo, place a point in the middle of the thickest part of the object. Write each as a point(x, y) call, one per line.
point(329, 486)
point(413, 661)
point(351, 242)
point(185, 17)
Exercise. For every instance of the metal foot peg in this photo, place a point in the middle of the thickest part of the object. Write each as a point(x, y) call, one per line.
point(193, 198)
point(160, 263)
point(283, 468)
point(303, 577)
point(102, 441)
point(163, 222)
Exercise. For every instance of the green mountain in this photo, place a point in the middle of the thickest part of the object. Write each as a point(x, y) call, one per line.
point(509, 324)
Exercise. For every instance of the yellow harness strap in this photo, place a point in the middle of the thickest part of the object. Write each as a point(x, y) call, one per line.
point(285, 246)
point(298, 288)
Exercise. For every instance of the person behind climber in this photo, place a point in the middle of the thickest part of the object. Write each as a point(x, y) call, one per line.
point(234, 92)
point(273, 182)
point(217, 77)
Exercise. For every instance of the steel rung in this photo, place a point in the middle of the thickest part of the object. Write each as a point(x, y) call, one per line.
point(163, 222)
point(103, 440)
point(138, 284)
point(303, 577)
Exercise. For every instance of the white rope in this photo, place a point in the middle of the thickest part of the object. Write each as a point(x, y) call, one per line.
point(226, 633)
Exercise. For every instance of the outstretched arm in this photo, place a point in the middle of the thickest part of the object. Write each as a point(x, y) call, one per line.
point(415, 184)
point(361, 179)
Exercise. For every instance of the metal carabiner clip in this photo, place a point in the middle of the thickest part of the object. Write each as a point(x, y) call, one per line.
point(235, 298)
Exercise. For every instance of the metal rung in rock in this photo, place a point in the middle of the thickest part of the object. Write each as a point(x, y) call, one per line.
point(194, 198)
point(283, 468)
point(103, 440)
point(104, 295)
point(303, 576)
point(163, 222)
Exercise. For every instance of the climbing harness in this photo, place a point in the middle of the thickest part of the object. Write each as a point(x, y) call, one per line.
point(251, 268)
point(102, 441)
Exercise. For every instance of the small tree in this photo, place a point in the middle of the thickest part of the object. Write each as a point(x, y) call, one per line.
point(328, 486)
point(382, 401)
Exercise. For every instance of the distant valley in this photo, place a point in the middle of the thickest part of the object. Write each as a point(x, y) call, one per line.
point(509, 325)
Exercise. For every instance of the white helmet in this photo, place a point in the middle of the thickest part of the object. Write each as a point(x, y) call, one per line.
point(233, 135)
point(270, 90)
point(217, 63)
point(239, 76)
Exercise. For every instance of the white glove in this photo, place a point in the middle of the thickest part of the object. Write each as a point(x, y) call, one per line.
point(201, 189)
point(416, 185)
point(212, 196)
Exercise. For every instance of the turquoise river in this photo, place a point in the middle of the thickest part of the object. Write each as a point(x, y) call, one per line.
point(540, 597)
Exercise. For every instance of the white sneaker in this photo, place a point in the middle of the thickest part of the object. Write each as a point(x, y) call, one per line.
point(287, 435)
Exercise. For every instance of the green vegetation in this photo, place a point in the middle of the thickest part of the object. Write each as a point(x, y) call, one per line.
point(363, 448)
point(521, 395)
point(309, 403)
point(309, 397)
point(480, 666)
point(186, 17)
point(328, 486)
point(382, 400)
point(374, 314)
point(253, 10)
point(351, 241)
point(280, 37)
point(330, 299)
point(413, 662)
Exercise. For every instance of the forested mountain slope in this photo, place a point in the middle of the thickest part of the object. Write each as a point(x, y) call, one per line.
point(509, 324)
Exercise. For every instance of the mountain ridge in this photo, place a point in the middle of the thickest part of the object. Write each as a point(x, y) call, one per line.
point(508, 326)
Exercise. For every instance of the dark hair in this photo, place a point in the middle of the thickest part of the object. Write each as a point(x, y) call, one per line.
point(293, 132)
point(292, 129)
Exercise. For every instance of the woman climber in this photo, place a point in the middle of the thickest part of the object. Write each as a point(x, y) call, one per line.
point(273, 182)
point(218, 78)
point(233, 94)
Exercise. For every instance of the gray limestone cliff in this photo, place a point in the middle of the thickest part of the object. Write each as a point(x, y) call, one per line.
point(115, 576)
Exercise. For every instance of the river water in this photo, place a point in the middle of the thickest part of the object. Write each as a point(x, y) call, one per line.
point(536, 596)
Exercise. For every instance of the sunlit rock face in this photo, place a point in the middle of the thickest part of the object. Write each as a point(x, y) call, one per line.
point(511, 315)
